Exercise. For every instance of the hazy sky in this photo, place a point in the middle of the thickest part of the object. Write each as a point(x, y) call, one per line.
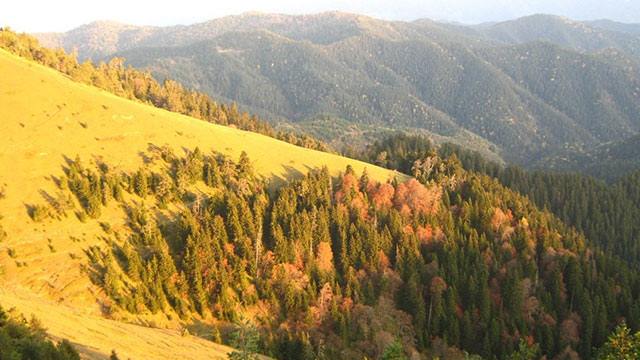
point(61, 15)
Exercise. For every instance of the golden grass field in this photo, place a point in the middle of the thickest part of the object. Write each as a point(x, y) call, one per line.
point(45, 117)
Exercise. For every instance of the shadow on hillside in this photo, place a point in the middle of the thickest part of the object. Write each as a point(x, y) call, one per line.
point(95, 270)
point(166, 220)
point(69, 161)
point(275, 181)
point(85, 351)
point(146, 159)
point(205, 330)
point(291, 173)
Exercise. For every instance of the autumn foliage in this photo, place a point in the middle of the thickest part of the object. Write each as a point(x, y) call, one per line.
point(349, 268)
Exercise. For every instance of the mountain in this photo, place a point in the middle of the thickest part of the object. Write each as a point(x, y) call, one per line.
point(103, 38)
point(45, 275)
point(98, 39)
point(161, 235)
point(584, 88)
point(633, 29)
point(576, 35)
point(609, 161)
point(495, 88)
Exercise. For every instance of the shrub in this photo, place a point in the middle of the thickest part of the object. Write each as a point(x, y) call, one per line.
point(82, 216)
point(106, 227)
point(39, 213)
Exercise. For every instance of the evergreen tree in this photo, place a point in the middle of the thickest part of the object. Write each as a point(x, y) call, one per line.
point(394, 351)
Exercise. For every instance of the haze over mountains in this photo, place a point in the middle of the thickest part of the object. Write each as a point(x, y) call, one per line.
point(525, 89)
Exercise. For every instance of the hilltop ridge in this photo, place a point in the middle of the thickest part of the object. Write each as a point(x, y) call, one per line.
point(520, 90)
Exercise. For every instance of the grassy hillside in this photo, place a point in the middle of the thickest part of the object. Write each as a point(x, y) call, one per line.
point(47, 118)
point(95, 337)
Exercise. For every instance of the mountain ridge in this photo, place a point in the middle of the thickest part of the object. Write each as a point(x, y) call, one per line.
point(141, 226)
point(453, 80)
point(46, 267)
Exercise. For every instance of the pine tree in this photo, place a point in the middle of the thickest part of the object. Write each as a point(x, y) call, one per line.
point(394, 351)
point(245, 169)
point(245, 340)
point(140, 183)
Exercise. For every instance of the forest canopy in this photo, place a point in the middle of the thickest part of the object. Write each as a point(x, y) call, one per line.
point(347, 267)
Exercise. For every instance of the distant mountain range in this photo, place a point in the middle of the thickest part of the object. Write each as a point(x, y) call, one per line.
point(526, 90)
point(576, 35)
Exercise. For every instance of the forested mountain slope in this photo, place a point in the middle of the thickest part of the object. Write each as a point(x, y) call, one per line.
point(164, 220)
point(582, 36)
point(49, 120)
point(617, 26)
point(146, 216)
point(609, 161)
point(508, 95)
point(102, 38)
point(606, 213)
